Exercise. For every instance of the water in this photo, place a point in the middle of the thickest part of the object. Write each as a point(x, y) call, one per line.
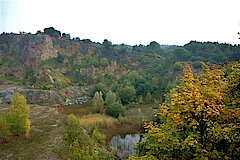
point(123, 146)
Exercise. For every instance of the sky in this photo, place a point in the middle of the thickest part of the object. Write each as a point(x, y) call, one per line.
point(127, 21)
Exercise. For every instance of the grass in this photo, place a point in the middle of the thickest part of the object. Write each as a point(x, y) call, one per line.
point(103, 121)
point(45, 137)
point(79, 110)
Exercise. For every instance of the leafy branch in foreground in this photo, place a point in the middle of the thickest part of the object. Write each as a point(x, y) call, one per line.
point(199, 123)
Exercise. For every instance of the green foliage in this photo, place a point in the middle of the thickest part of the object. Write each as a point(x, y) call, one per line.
point(72, 130)
point(79, 145)
point(52, 32)
point(111, 97)
point(4, 128)
point(104, 62)
point(66, 36)
point(100, 87)
point(107, 44)
point(180, 54)
point(83, 62)
point(149, 98)
point(177, 67)
point(60, 58)
point(140, 100)
point(115, 110)
point(127, 94)
point(98, 102)
point(19, 117)
point(232, 71)
point(97, 136)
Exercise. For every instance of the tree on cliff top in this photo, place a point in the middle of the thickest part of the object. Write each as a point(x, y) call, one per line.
point(52, 32)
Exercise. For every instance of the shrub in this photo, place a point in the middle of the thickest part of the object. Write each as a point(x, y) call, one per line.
point(97, 136)
point(98, 102)
point(115, 110)
point(4, 128)
point(110, 98)
point(80, 145)
point(127, 94)
point(19, 115)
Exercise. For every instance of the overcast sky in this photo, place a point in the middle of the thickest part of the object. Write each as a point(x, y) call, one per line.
point(127, 21)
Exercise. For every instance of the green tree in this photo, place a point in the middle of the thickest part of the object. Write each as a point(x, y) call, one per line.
point(80, 145)
point(115, 110)
point(110, 98)
point(107, 44)
point(140, 100)
point(66, 36)
point(232, 72)
point(19, 115)
point(180, 54)
point(100, 86)
point(98, 102)
point(127, 94)
point(52, 32)
point(149, 98)
point(155, 82)
point(177, 67)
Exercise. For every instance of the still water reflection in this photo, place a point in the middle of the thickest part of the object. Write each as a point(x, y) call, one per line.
point(123, 146)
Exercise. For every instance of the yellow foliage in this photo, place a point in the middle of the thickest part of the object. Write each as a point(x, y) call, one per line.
point(19, 114)
point(27, 128)
point(202, 120)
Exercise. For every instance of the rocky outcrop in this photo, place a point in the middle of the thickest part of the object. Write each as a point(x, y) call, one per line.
point(42, 97)
point(72, 92)
point(67, 96)
point(33, 96)
point(79, 100)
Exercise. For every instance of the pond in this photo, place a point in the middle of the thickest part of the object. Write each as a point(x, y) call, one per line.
point(123, 146)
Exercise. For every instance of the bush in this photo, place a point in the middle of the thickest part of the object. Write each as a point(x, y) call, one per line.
point(115, 110)
point(127, 94)
point(97, 136)
point(4, 128)
point(19, 115)
point(98, 102)
point(110, 98)
point(72, 129)
point(80, 145)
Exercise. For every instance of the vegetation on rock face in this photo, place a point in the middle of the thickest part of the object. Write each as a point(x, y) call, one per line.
point(197, 122)
point(49, 60)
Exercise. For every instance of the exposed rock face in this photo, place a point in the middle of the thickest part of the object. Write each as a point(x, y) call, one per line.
point(67, 96)
point(40, 97)
point(48, 51)
point(79, 100)
point(72, 92)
